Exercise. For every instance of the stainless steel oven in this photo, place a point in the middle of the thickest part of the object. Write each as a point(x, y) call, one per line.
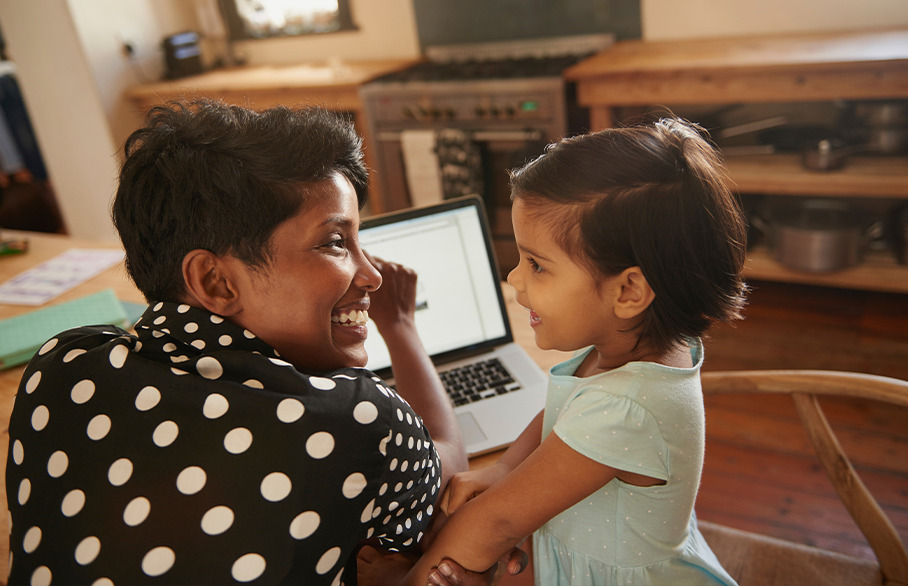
point(457, 122)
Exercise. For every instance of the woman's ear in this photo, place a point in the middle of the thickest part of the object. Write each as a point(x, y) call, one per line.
point(210, 282)
point(633, 293)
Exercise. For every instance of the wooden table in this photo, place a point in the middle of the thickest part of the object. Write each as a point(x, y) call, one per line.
point(331, 86)
point(43, 247)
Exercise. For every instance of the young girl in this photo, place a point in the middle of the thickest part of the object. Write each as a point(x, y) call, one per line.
point(631, 245)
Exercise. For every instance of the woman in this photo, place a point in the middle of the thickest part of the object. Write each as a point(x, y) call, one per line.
point(236, 436)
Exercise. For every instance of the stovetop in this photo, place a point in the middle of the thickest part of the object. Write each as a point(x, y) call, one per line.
point(483, 69)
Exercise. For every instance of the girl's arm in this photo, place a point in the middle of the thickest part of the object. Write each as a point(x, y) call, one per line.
point(467, 485)
point(551, 479)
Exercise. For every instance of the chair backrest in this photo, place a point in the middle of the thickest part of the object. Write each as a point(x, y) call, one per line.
point(805, 386)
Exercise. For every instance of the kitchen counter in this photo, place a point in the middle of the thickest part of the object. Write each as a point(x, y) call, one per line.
point(329, 85)
point(818, 67)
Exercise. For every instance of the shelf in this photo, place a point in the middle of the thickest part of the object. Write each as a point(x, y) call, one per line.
point(782, 174)
point(878, 272)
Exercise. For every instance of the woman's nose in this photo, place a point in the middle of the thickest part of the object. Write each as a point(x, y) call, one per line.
point(367, 276)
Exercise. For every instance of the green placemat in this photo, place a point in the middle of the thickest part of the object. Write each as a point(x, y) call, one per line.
point(23, 335)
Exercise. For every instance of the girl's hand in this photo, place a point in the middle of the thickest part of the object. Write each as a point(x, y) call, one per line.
point(467, 485)
point(450, 573)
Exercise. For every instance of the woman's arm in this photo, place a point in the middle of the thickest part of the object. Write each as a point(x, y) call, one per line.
point(392, 309)
point(551, 479)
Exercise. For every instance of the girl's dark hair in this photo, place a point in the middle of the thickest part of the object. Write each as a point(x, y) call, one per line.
point(205, 175)
point(654, 196)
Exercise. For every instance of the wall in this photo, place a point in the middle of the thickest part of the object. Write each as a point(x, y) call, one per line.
point(681, 19)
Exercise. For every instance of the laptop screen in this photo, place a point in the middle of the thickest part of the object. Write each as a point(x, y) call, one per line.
point(459, 306)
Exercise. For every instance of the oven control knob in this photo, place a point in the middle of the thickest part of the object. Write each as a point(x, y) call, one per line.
point(480, 111)
point(494, 112)
point(408, 112)
point(509, 111)
point(450, 113)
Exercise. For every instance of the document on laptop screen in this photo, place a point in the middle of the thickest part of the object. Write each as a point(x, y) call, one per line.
point(457, 297)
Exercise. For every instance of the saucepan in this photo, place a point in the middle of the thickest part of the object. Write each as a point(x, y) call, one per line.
point(820, 235)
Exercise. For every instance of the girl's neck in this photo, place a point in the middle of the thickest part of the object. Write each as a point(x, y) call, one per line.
point(597, 362)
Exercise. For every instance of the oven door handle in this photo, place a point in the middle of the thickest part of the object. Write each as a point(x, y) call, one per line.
point(480, 135)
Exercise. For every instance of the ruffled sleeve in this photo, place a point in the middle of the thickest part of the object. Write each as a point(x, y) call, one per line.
point(615, 431)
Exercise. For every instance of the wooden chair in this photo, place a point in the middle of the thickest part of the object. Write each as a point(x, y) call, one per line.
point(756, 559)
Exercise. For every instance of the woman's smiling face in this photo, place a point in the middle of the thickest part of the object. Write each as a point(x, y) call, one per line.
point(310, 302)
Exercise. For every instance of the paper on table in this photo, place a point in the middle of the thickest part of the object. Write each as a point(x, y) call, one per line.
point(42, 283)
point(422, 169)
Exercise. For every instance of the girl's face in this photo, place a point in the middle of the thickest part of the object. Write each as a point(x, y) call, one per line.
point(308, 303)
point(569, 309)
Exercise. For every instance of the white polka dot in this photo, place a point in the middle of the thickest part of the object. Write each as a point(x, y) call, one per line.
point(18, 452)
point(365, 412)
point(278, 361)
point(40, 417)
point(32, 539)
point(354, 485)
point(217, 520)
point(87, 550)
point(103, 582)
point(368, 512)
point(209, 368)
point(169, 347)
point(215, 405)
point(248, 567)
point(57, 464)
point(98, 427)
point(159, 320)
point(32, 383)
point(289, 410)
point(158, 561)
point(47, 347)
point(327, 561)
point(82, 391)
point(225, 340)
point(136, 511)
point(276, 486)
point(320, 444)
point(216, 319)
point(118, 355)
point(322, 384)
point(238, 440)
point(182, 308)
point(248, 334)
point(41, 577)
point(73, 354)
point(254, 384)
point(120, 472)
point(191, 327)
point(25, 490)
point(304, 525)
point(165, 434)
point(147, 398)
point(199, 344)
point(191, 480)
point(72, 502)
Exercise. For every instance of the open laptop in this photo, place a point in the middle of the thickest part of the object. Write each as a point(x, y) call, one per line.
point(460, 316)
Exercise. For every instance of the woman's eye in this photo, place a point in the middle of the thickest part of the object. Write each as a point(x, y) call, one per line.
point(336, 243)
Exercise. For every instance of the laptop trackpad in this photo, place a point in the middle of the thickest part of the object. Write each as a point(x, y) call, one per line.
point(472, 434)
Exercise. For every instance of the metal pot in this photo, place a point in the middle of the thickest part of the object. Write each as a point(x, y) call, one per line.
point(820, 235)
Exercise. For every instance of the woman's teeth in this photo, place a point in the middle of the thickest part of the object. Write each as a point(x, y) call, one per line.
point(355, 317)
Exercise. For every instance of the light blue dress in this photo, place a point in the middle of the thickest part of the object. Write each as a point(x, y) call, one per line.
point(645, 418)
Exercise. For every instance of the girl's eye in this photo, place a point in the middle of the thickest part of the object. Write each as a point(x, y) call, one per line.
point(535, 266)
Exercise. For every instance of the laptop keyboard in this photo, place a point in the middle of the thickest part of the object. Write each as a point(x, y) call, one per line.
point(478, 381)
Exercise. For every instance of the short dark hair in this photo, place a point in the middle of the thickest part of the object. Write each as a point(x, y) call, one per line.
point(206, 175)
point(654, 195)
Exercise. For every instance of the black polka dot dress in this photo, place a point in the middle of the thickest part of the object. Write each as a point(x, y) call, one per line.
point(192, 454)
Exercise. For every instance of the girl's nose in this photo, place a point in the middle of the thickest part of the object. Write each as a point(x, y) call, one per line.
point(513, 278)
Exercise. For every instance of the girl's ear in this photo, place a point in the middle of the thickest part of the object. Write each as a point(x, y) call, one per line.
point(210, 282)
point(633, 293)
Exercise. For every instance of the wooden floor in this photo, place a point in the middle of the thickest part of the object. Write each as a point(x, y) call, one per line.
point(760, 473)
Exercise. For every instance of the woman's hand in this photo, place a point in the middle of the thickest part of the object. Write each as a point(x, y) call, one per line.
point(467, 485)
point(394, 303)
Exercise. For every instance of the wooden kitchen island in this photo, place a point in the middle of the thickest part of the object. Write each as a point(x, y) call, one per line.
point(858, 65)
point(331, 86)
